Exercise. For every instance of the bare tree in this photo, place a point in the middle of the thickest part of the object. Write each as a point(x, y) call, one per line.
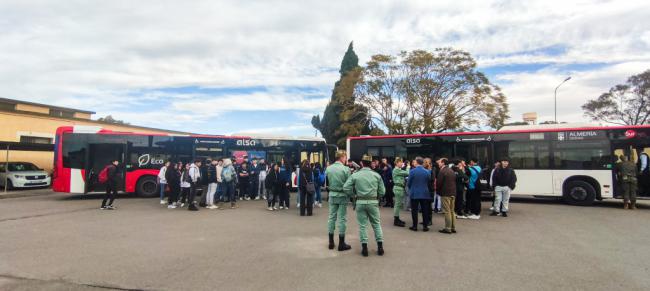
point(624, 104)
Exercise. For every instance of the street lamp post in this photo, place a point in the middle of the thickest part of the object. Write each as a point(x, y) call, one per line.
point(558, 86)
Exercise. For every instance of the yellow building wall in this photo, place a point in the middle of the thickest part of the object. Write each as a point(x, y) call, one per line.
point(13, 124)
point(82, 115)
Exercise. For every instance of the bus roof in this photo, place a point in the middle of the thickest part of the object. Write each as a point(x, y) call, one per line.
point(509, 130)
point(100, 130)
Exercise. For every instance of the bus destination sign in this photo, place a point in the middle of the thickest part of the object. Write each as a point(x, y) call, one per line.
point(578, 135)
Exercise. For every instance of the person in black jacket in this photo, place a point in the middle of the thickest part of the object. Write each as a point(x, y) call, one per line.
point(504, 180)
point(111, 185)
point(306, 199)
point(173, 177)
point(273, 185)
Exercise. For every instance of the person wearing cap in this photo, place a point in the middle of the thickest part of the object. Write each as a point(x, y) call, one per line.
point(505, 180)
point(399, 176)
point(367, 187)
point(336, 175)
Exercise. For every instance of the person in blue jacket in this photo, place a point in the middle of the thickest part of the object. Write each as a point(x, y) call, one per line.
point(418, 183)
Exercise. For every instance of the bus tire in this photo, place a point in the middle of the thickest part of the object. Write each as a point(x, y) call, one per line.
point(147, 187)
point(579, 193)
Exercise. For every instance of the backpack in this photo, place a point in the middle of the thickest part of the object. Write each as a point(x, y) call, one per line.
point(103, 175)
point(186, 177)
point(321, 178)
point(227, 174)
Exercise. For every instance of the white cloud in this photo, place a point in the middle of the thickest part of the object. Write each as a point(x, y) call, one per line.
point(95, 54)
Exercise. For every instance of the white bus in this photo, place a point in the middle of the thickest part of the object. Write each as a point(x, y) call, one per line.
point(575, 163)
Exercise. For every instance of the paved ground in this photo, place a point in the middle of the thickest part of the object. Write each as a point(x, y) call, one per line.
point(58, 242)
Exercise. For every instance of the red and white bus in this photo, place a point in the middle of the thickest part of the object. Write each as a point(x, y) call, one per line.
point(81, 152)
point(575, 163)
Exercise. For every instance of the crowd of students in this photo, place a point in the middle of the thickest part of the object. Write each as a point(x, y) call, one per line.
point(221, 182)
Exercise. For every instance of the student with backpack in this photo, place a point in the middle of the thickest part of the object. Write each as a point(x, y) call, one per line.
point(228, 177)
point(186, 183)
point(473, 205)
point(109, 176)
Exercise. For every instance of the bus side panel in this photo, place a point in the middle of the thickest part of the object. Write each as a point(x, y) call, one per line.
point(534, 182)
point(61, 183)
point(604, 178)
point(77, 181)
point(132, 178)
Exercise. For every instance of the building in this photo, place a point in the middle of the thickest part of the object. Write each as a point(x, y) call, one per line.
point(530, 118)
point(28, 123)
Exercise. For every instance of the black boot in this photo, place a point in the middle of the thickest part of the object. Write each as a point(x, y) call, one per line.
point(331, 245)
point(364, 250)
point(342, 245)
point(398, 222)
point(380, 248)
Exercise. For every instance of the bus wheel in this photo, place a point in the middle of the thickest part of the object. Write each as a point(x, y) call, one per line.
point(579, 193)
point(147, 187)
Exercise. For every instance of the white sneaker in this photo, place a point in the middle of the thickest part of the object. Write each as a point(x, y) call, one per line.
point(320, 205)
point(241, 198)
point(492, 208)
point(264, 197)
point(182, 204)
point(474, 216)
point(461, 216)
point(247, 199)
point(270, 209)
point(297, 205)
point(275, 208)
point(281, 207)
point(171, 206)
point(163, 202)
point(257, 198)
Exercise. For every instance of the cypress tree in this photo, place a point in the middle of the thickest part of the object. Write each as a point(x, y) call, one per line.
point(342, 116)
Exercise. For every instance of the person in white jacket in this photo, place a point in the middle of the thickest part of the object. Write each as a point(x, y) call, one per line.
point(195, 177)
point(162, 182)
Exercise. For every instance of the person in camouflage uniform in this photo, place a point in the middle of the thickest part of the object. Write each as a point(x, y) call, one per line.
point(367, 187)
point(398, 189)
point(337, 174)
point(627, 177)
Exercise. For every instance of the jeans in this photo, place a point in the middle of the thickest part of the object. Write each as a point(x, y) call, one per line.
point(254, 184)
point(273, 197)
point(192, 197)
point(261, 187)
point(111, 192)
point(317, 195)
point(219, 195)
point(184, 193)
point(243, 188)
point(284, 196)
point(416, 204)
point(212, 189)
point(437, 202)
point(501, 195)
point(229, 191)
point(459, 206)
point(162, 190)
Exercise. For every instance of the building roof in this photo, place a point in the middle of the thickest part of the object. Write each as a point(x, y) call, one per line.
point(14, 101)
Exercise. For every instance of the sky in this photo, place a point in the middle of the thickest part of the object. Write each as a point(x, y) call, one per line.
point(228, 67)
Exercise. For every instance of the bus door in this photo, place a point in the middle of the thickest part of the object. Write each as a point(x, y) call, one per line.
point(99, 156)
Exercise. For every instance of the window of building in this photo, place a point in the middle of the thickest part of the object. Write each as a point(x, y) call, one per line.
point(61, 113)
point(35, 139)
point(7, 106)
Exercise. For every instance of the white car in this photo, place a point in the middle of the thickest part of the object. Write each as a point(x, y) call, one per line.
point(23, 175)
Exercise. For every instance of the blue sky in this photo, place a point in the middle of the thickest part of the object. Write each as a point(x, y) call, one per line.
point(266, 67)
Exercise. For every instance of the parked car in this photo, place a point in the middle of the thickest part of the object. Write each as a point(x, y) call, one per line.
point(23, 175)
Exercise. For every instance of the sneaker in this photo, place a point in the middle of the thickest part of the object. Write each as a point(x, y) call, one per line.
point(171, 206)
point(163, 202)
point(492, 208)
point(182, 204)
point(110, 207)
point(281, 207)
point(270, 209)
point(264, 197)
point(474, 216)
point(275, 208)
point(296, 206)
point(241, 198)
point(504, 214)
point(103, 208)
point(461, 216)
point(494, 213)
point(320, 205)
point(257, 198)
point(247, 199)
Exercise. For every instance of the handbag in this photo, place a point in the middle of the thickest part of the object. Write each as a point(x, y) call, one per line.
point(309, 187)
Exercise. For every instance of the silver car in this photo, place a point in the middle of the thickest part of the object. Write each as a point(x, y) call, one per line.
point(23, 175)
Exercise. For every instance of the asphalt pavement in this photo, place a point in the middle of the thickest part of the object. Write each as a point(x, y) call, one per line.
point(64, 242)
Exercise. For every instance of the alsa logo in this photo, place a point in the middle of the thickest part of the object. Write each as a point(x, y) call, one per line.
point(246, 142)
point(630, 133)
point(146, 159)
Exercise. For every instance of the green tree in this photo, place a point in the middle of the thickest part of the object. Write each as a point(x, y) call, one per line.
point(425, 92)
point(624, 104)
point(110, 119)
point(343, 117)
